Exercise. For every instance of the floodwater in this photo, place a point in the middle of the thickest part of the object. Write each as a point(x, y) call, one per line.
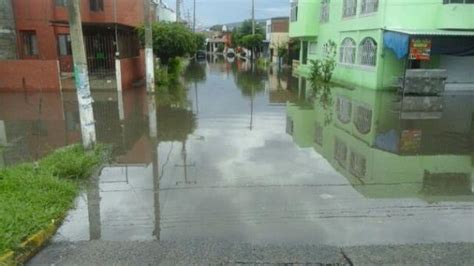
point(238, 153)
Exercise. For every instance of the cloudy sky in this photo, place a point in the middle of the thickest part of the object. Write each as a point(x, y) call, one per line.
point(211, 12)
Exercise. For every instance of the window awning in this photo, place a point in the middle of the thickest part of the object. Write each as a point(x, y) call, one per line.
point(450, 42)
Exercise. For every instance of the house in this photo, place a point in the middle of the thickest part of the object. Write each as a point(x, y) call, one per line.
point(43, 57)
point(219, 39)
point(277, 35)
point(379, 42)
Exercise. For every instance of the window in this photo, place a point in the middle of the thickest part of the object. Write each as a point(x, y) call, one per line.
point(313, 48)
point(369, 6)
point(324, 11)
point(458, 2)
point(61, 3)
point(347, 53)
point(30, 43)
point(294, 11)
point(368, 52)
point(349, 8)
point(358, 164)
point(344, 110)
point(64, 44)
point(96, 5)
point(363, 119)
point(340, 152)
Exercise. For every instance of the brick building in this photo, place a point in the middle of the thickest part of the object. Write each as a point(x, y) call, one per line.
point(43, 55)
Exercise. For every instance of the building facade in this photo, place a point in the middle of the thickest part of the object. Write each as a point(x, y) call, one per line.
point(42, 38)
point(379, 41)
point(277, 35)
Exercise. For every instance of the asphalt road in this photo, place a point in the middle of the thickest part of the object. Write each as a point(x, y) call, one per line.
point(210, 252)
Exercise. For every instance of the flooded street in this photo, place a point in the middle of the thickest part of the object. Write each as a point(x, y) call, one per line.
point(260, 158)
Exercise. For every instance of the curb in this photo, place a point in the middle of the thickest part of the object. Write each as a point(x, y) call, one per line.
point(32, 245)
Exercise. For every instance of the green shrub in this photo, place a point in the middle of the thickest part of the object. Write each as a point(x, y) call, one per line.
point(72, 162)
point(32, 195)
point(322, 69)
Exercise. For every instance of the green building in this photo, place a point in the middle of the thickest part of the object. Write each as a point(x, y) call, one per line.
point(379, 40)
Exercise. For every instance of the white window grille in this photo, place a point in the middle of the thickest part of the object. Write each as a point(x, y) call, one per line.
point(363, 119)
point(347, 52)
point(313, 48)
point(340, 152)
point(294, 11)
point(368, 52)
point(324, 11)
point(349, 8)
point(369, 6)
point(358, 164)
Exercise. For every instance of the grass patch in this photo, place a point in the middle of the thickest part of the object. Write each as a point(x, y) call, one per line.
point(31, 195)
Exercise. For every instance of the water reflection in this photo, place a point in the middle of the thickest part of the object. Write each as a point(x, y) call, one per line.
point(390, 146)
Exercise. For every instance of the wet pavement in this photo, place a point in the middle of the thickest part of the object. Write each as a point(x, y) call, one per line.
point(248, 166)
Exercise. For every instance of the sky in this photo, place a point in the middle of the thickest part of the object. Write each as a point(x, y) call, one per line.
point(211, 12)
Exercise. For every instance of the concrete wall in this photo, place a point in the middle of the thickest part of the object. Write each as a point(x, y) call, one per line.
point(19, 75)
point(7, 31)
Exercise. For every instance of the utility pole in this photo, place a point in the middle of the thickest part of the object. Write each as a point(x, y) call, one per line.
point(149, 64)
point(253, 26)
point(81, 75)
point(194, 16)
point(178, 11)
point(253, 17)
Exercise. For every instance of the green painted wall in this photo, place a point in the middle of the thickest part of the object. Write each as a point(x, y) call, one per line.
point(399, 14)
point(305, 26)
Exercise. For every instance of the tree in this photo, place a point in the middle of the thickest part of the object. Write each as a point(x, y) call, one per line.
point(200, 41)
point(244, 30)
point(171, 40)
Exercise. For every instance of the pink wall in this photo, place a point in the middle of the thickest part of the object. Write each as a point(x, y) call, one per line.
point(19, 75)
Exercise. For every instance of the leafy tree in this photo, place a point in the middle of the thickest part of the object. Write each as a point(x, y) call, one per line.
point(171, 40)
point(252, 41)
point(244, 30)
point(200, 41)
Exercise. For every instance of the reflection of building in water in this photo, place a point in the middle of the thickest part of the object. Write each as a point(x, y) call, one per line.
point(386, 154)
point(283, 87)
point(35, 124)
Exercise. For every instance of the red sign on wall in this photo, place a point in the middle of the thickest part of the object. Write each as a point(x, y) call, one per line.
point(420, 49)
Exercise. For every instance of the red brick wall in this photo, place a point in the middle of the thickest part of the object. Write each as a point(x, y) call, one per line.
point(19, 75)
point(132, 69)
point(49, 20)
point(280, 25)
